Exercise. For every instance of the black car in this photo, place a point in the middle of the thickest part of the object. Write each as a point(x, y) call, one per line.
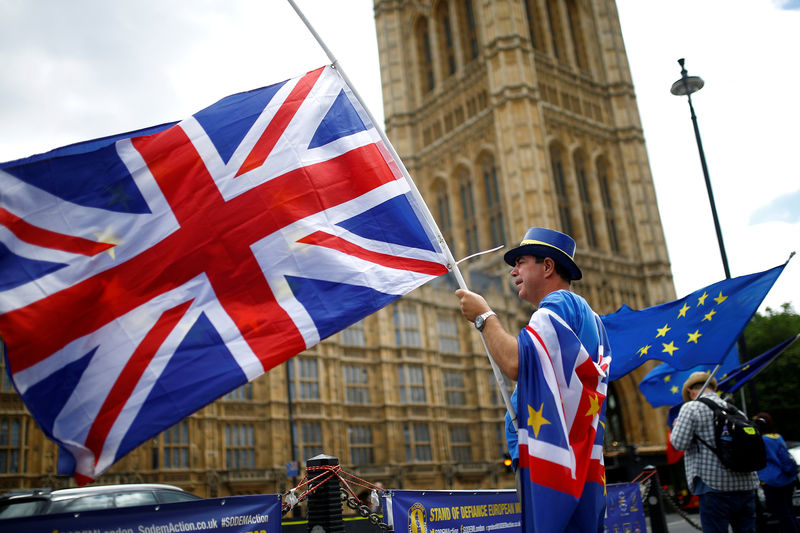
point(33, 502)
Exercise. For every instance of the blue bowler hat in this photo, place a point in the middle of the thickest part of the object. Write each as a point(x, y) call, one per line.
point(543, 242)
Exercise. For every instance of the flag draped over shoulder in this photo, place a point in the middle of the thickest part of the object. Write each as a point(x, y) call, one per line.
point(663, 385)
point(142, 276)
point(561, 393)
point(697, 329)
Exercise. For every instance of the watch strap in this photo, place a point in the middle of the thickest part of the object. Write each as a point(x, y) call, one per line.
point(480, 321)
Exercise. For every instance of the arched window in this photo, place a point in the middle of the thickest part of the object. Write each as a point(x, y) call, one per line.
point(576, 31)
point(424, 55)
point(494, 207)
point(586, 200)
point(468, 212)
point(443, 218)
point(445, 34)
point(562, 198)
point(604, 180)
point(469, 32)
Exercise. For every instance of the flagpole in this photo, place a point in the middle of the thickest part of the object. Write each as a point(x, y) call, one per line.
point(415, 192)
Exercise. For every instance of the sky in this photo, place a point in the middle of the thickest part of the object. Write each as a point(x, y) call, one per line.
point(84, 69)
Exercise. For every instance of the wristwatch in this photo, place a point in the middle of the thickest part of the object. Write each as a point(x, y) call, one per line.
point(480, 320)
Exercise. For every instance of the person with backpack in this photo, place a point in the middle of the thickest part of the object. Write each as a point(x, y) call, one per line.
point(779, 476)
point(727, 497)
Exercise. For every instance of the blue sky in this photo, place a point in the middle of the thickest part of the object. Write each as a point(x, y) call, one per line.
point(88, 68)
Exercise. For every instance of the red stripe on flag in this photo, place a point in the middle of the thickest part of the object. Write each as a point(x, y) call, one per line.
point(333, 242)
point(266, 143)
point(123, 387)
point(549, 474)
point(50, 239)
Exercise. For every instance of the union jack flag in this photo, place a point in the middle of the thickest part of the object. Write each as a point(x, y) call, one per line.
point(561, 408)
point(144, 275)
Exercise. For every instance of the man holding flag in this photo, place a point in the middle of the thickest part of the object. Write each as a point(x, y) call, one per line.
point(560, 361)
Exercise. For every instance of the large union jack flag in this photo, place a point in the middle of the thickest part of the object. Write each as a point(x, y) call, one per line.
point(142, 276)
point(561, 408)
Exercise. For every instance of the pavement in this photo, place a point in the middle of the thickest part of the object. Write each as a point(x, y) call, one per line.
point(677, 524)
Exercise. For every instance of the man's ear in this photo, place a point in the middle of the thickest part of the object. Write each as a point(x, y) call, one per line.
point(549, 266)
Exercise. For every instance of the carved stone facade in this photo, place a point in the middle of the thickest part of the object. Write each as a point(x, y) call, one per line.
point(507, 114)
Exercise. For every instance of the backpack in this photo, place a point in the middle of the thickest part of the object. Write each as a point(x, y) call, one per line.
point(739, 445)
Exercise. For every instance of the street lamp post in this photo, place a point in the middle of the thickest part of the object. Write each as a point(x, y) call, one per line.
point(686, 86)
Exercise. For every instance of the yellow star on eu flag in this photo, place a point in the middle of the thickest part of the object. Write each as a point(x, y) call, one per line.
point(694, 336)
point(702, 299)
point(643, 350)
point(719, 299)
point(669, 348)
point(662, 332)
point(708, 316)
point(682, 310)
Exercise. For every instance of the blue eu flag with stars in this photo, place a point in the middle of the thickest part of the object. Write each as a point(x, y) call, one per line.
point(663, 385)
point(700, 328)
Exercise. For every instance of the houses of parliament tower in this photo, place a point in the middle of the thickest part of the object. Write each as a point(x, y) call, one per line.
point(508, 114)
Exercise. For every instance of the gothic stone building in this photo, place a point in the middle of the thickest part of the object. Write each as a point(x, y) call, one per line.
point(507, 114)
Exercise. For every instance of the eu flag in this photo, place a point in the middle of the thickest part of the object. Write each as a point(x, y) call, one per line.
point(732, 380)
point(663, 385)
point(697, 329)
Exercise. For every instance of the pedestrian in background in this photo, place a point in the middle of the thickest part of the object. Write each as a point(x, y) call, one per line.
point(779, 477)
point(726, 497)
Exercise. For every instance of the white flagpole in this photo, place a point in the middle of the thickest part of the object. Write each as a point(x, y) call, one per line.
point(421, 202)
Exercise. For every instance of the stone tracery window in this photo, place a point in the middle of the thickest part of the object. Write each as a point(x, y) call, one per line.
point(586, 199)
point(494, 206)
point(562, 195)
point(468, 29)
point(604, 180)
point(443, 219)
point(468, 214)
point(445, 35)
point(425, 56)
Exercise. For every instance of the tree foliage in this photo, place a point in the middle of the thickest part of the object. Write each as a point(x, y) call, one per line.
point(777, 387)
